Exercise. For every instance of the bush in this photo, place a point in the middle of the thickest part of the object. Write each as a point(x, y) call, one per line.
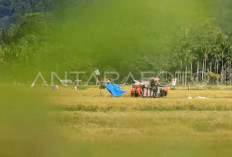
point(213, 78)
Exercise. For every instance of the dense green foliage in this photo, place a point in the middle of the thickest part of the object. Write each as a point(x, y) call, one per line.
point(203, 43)
point(113, 35)
point(214, 78)
point(11, 11)
point(19, 43)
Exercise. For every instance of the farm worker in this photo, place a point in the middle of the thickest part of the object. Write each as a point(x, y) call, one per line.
point(154, 85)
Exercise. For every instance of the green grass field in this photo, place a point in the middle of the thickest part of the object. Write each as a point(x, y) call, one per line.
point(93, 123)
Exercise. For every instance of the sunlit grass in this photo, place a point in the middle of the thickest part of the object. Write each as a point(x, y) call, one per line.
point(92, 122)
point(91, 113)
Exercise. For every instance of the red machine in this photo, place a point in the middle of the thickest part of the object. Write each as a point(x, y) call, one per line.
point(144, 91)
point(136, 90)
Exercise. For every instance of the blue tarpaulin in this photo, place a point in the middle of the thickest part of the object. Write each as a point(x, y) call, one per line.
point(115, 90)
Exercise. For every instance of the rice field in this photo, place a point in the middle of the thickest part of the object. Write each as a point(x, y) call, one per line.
point(93, 123)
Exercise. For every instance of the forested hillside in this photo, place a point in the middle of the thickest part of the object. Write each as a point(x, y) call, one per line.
point(11, 11)
point(123, 36)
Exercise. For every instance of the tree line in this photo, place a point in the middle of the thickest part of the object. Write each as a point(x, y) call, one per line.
point(41, 42)
point(201, 50)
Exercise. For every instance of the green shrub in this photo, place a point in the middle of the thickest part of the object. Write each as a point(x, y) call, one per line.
point(213, 78)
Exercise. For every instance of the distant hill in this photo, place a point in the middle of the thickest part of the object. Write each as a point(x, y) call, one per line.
point(12, 10)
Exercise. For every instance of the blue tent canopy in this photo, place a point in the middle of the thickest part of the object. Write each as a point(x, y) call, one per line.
point(114, 89)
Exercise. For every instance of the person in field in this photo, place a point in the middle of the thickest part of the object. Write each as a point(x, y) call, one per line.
point(154, 87)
